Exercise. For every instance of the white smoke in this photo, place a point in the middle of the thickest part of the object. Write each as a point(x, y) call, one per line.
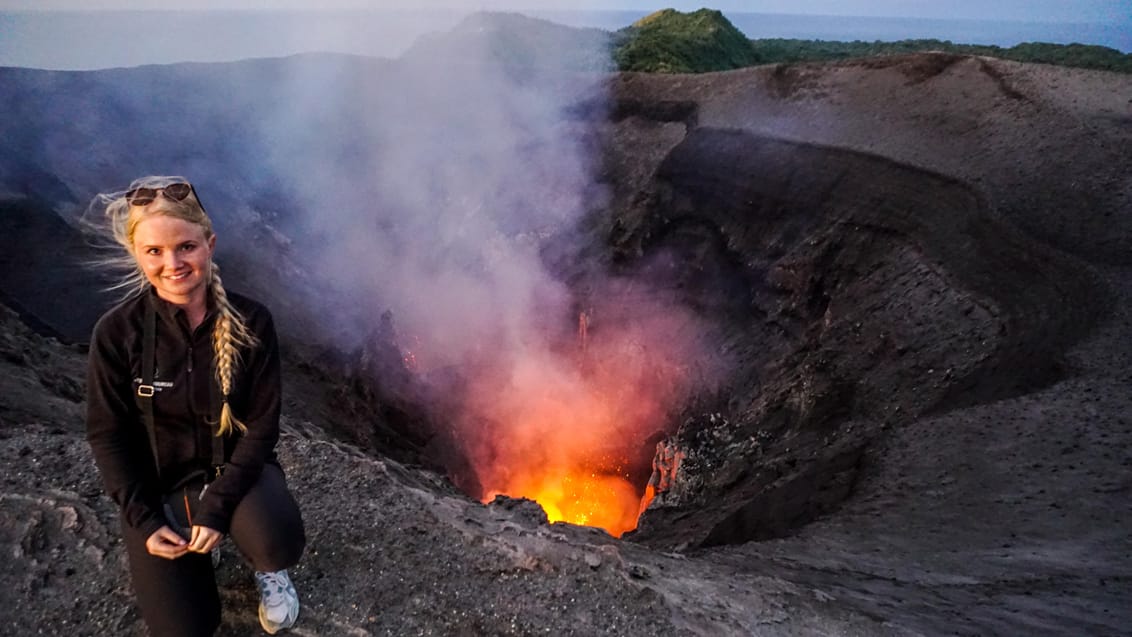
point(451, 170)
point(455, 170)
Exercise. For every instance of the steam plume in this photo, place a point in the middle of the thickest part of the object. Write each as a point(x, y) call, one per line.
point(437, 210)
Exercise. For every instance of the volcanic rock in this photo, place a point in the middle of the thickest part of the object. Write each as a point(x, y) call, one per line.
point(918, 272)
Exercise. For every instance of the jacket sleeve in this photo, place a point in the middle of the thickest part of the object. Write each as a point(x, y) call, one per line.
point(258, 407)
point(116, 439)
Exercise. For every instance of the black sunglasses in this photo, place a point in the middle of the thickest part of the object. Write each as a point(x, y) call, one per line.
point(144, 196)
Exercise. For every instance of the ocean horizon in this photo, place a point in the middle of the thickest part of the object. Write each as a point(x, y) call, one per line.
point(110, 39)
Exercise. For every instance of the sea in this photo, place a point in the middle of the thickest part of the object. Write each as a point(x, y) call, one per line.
point(86, 40)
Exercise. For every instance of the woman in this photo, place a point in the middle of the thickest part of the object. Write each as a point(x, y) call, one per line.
point(183, 416)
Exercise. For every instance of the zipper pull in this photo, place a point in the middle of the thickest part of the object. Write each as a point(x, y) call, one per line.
point(190, 359)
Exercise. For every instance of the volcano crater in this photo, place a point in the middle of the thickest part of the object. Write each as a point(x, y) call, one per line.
point(850, 292)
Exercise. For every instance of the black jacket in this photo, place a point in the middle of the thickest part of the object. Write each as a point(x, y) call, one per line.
point(186, 406)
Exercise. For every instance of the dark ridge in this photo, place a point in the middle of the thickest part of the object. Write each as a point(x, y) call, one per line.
point(999, 79)
point(45, 271)
point(917, 68)
point(29, 319)
point(684, 111)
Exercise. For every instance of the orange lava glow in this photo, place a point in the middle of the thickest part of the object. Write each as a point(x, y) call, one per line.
point(566, 431)
point(604, 501)
point(564, 442)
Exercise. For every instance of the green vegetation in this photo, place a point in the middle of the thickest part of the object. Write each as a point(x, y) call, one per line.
point(1079, 55)
point(672, 42)
point(1086, 56)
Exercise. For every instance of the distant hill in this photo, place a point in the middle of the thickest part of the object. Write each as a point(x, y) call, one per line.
point(517, 41)
point(669, 41)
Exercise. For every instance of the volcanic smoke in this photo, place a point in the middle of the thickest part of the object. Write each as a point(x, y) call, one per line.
point(571, 429)
point(572, 424)
point(439, 214)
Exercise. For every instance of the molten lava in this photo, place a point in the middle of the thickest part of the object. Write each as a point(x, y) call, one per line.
point(570, 432)
point(606, 501)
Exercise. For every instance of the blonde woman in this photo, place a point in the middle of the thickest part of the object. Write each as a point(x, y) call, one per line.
point(183, 416)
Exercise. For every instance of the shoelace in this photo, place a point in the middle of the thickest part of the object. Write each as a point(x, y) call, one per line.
point(279, 605)
point(272, 583)
point(275, 588)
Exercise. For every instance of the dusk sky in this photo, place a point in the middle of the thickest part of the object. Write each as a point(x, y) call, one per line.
point(1029, 10)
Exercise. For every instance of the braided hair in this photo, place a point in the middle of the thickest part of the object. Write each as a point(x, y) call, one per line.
point(229, 333)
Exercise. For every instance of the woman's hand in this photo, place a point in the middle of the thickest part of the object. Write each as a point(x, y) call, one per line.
point(167, 543)
point(204, 539)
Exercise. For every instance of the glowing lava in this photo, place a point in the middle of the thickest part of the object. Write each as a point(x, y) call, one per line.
point(566, 443)
point(590, 499)
point(570, 432)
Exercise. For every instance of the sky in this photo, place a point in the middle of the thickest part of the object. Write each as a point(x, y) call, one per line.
point(1020, 10)
point(34, 33)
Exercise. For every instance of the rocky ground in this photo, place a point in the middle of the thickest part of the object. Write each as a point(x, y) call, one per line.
point(929, 260)
point(392, 550)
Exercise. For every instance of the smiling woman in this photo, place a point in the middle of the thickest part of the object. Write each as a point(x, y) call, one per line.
point(189, 456)
point(175, 255)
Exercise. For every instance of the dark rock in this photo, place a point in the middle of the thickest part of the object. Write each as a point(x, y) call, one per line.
point(522, 508)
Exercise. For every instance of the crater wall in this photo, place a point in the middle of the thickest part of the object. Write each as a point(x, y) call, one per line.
point(855, 291)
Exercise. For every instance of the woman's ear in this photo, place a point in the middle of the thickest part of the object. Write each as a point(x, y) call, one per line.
point(212, 243)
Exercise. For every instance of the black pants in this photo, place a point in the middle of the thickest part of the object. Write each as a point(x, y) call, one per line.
point(179, 597)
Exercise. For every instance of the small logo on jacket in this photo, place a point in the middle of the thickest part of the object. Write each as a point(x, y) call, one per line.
point(158, 385)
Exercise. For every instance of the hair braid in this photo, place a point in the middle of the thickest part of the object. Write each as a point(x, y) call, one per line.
point(228, 335)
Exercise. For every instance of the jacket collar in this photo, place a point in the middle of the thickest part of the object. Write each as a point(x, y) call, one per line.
point(175, 316)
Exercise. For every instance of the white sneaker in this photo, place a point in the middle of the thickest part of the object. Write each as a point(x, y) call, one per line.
point(278, 601)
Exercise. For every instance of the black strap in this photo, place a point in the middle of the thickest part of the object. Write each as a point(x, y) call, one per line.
point(145, 389)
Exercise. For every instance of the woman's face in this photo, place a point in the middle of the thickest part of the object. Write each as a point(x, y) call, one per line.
point(174, 256)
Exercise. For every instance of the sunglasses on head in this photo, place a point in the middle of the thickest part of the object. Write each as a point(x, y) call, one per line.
point(144, 196)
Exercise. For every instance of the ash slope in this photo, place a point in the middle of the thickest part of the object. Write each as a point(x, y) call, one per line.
point(1000, 515)
point(985, 505)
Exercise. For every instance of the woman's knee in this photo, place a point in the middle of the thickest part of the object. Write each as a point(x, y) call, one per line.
point(267, 526)
point(275, 544)
point(276, 551)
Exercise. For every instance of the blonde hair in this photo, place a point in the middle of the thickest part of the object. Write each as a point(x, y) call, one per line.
point(230, 332)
